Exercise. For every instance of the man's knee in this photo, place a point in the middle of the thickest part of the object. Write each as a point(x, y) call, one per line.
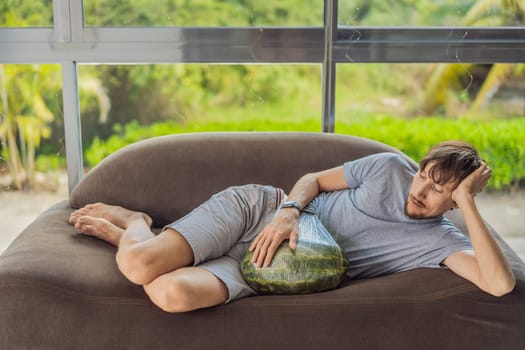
point(135, 262)
point(176, 296)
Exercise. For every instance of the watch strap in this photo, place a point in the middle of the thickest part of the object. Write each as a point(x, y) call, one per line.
point(291, 204)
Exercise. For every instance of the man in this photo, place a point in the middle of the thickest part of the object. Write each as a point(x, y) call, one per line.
point(386, 216)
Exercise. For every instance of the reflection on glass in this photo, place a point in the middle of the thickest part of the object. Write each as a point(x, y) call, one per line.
point(24, 13)
point(203, 13)
point(123, 104)
point(476, 13)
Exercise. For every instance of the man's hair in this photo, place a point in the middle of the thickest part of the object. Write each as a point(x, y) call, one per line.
point(452, 161)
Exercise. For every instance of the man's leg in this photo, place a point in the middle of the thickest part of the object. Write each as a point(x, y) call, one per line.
point(224, 224)
point(142, 256)
point(186, 289)
point(171, 287)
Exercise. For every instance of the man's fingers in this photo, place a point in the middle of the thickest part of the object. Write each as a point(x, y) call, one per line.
point(294, 236)
point(272, 249)
point(263, 252)
point(486, 174)
point(266, 243)
point(256, 246)
point(269, 254)
point(268, 249)
point(255, 242)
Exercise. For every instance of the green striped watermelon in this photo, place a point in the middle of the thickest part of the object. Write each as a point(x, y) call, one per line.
point(316, 265)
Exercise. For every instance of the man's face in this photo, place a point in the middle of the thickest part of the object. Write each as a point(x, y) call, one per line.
point(426, 198)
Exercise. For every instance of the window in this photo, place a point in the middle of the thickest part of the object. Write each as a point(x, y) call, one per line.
point(152, 100)
point(261, 40)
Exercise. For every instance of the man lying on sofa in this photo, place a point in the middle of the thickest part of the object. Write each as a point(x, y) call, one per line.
point(387, 217)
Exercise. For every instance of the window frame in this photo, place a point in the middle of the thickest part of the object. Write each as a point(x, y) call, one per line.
point(69, 43)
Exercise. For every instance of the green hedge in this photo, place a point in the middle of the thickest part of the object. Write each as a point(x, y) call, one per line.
point(500, 142)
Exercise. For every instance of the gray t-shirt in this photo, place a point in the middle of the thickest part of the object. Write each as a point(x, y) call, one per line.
point(369, 222)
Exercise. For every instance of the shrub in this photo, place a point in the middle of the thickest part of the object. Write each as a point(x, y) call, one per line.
point(500, 142)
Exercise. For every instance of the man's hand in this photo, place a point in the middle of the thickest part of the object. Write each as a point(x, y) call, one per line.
point(472, 184)
point(283, 226)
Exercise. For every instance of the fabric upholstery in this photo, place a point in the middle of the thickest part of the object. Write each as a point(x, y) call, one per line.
point(62, 290)
point(168, 176)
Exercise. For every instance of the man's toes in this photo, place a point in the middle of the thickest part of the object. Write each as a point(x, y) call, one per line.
point(73, 218)
point(79, 227)
point(86, 229)
point(93, 206)
point(84, 223)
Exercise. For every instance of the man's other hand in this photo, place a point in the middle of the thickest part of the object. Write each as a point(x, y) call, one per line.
point(472, 184)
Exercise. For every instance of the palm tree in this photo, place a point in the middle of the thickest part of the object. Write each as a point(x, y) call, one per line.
point(25, 118)
point(444, 77)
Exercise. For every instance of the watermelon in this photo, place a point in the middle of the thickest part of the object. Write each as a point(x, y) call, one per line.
point(317, 264)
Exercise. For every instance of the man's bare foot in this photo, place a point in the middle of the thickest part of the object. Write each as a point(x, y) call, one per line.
point(100, 228)
point(116, 215)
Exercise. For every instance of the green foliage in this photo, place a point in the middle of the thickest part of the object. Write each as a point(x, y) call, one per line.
point(24, 117)
point(403, 12)
point(500, 143)
point(203, 12)
point(22, 13)
point(496, 13)
point(48, 162)
point(184, 92)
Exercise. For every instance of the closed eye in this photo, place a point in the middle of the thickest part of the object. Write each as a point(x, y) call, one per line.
point(435, 189)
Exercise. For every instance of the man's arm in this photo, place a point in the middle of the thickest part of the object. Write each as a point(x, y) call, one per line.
point(284, 225)
point(487, 266)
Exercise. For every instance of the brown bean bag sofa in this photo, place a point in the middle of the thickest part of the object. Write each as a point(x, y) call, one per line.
point(62, 290)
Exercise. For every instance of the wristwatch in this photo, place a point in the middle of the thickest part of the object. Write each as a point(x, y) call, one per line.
point(291, 204)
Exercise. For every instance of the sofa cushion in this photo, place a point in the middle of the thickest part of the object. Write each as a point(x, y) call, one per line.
point(168, 176)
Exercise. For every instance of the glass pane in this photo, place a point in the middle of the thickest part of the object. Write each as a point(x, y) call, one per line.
point(203, 13)
point(400, 102)
point(22, 13)
point(123, 104)
point(414, 106)
point(431, 13)
point(32, 153)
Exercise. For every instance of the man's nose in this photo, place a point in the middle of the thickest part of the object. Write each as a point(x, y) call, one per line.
point(421, 192)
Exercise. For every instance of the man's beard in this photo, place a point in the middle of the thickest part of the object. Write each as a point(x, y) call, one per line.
point(413, 216)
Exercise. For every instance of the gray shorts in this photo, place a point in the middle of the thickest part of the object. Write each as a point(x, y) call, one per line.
point(221, 229)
